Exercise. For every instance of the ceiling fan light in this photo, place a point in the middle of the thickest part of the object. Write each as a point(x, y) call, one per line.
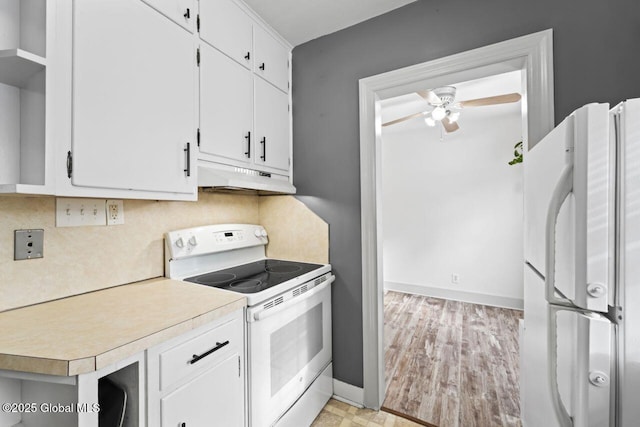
point(453, 117)
point(438, 113)
point(429, 121)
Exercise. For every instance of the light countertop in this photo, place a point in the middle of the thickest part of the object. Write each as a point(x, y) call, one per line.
point(87, 332)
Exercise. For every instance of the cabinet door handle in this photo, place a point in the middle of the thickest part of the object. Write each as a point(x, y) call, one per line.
point(69, 164)
point(187, 151)
point(187, 14)
point(197, 357)
point(261, 66)
point(247, 56)
point(264, 149)
point(248, 138)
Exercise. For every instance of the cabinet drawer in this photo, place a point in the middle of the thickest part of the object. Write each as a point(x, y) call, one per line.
point(213, 398)
point(200, 352)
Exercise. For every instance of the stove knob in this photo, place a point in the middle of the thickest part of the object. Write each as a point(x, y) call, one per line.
point(257, 232)
point(193, 241)
point(263, 233)
point(180, 243)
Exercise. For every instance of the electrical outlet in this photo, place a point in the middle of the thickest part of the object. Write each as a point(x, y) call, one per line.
point(115, 212)
point(28, 244)
point(455, 278)
point(72, 212)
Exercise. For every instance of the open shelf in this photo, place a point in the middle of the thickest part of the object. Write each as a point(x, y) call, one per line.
point(18, 66)
point(23, 97)
point(22, 134)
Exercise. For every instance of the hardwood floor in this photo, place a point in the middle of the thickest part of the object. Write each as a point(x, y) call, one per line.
point(451, 364)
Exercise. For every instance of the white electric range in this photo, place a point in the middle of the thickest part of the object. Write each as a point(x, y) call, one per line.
point(288, 318)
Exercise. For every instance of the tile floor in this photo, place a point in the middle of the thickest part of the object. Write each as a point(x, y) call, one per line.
point(340, 414)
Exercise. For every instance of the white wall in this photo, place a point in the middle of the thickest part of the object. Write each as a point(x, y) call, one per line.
point(455, 207)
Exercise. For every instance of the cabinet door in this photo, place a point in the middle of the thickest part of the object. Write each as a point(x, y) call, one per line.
point(226, 115)
point(182, 12)
point(134, 98)
point(272, 126)
point(271, 59)
point(215, 398)
point(224, 25)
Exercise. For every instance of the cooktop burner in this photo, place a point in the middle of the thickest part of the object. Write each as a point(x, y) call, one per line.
point(254, 277)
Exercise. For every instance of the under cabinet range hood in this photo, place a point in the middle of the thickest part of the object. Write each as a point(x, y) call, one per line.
point(212, 177)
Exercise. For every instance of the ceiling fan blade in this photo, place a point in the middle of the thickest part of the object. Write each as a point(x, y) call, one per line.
point(491, 100)
point(449, 126)
point(402, 119)
point(430, 96)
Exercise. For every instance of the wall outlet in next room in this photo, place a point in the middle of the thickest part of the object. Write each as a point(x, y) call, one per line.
point(115, 212)
point(455, 278)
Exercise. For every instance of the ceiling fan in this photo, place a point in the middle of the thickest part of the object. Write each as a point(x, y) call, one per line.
point(446, 111)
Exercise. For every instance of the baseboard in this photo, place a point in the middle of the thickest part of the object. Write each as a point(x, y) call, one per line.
point(348, 393)
point(453, 294)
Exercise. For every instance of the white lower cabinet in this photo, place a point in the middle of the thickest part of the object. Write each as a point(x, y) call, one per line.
point(194, 380)
point(198, 379)
point(41, 400)
point(214, 398)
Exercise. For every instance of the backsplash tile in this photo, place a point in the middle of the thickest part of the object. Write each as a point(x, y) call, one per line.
point(295, 232)
point(84, 259)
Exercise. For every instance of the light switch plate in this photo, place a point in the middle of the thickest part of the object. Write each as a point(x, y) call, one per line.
point(76, 212)
point(28, 244)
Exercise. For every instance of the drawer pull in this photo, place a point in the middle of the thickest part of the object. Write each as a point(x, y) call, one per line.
point(218, 346)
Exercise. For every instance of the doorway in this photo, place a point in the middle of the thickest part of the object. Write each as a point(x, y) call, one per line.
point(532, 55)
point(452, 218)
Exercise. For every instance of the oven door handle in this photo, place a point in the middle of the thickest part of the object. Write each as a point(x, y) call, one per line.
point(263, 314)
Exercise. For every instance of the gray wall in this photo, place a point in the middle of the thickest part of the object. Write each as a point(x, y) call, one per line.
point(595, 58)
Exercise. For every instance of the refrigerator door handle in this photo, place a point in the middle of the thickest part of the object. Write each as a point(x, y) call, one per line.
point(560, 193)
point(562, 415)
point(594, 378)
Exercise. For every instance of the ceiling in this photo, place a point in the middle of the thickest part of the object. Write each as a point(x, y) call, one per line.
point(411, 103)
point(299, 21)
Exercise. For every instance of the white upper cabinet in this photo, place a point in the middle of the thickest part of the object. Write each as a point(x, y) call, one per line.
point(134, 99)
point(271, 59)
point(244, 95)
point(227, 27)
point(272, 126)
point(182, 12)
point(107, 99)
point(226, 107)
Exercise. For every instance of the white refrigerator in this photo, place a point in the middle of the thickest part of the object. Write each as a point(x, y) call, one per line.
point(580, 341)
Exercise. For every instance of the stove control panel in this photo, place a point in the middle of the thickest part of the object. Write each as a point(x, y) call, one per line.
point(224, 237)
point(210, 239)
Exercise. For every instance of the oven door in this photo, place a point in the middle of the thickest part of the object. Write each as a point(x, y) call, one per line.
point(289, 346)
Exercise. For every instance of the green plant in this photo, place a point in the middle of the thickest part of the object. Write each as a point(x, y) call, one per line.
point(517, 153)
